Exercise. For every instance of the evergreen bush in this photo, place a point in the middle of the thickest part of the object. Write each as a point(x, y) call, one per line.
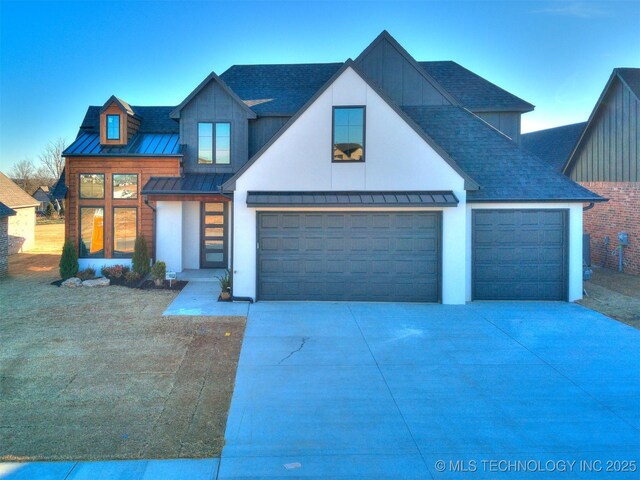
point(140, 261)
point(68, 261)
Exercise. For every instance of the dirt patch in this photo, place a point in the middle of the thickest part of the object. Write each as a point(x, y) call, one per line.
point(93, 374)
point(614, 294)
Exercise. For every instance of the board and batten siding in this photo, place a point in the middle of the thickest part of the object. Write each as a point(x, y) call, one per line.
point(261, 130)
point(213, 104)
point(145, 168)
point(507, 122)
point(610, 148)
point(401, 80)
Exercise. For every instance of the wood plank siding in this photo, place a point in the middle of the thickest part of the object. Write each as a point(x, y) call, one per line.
point(143, 167)
point(610, 148)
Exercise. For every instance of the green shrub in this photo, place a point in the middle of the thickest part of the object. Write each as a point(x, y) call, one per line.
point(225, 281)
point(132, 277)
point(68, 261)
point(140, 261)
point(159, 271)
point(87, 274)
point(48, 211)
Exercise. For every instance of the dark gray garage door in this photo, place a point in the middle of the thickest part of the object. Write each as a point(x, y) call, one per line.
point(349, 256)
point(519, 254)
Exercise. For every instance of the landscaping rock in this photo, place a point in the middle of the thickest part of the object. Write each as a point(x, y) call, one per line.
point(97, 282)
point(72, 282)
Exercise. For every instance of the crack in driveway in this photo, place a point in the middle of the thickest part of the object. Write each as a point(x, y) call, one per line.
point(304, 340)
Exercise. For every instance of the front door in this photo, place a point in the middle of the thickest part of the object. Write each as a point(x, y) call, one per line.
point(213, 235)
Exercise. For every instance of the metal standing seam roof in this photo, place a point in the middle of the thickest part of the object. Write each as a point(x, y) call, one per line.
point(387, 199)
point(156, 144)
point(6, 211)
point(189, 184)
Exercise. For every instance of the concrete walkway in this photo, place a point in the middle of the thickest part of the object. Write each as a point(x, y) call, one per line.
point(200, 297)
point(356, 390)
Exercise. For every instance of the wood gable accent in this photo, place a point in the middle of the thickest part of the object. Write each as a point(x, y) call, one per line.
point(129, 121)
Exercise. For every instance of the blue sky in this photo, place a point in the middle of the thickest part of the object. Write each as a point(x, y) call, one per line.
point(56, 58)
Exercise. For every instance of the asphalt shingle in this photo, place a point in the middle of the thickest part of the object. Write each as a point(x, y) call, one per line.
point(153, 120)
point(13, 196)
point(553, 145)
point(504, 170)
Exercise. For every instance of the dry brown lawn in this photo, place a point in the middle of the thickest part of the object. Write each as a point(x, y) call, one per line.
point(89, 374)
point(615, 294)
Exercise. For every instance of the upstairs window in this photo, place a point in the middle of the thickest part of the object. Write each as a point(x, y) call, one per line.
point(113, 127)
point(214, 148)
point(348, 134)
point(92, 185)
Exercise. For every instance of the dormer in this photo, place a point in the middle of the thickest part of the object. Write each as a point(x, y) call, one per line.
point(118, 122)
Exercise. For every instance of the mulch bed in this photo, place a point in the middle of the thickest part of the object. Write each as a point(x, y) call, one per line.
point(143, 285)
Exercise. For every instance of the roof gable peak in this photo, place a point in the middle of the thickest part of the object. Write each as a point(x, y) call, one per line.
point(122, 105)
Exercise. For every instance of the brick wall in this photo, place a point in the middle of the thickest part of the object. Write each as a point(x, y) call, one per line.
point(620, 213)
point(4, 246)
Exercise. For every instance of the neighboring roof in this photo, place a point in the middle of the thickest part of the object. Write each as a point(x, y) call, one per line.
point(152, 120)
point(471, 90)
point(189, 183)
point(6, 211)
point(121, 103)
point(631, 76)
point(212, 77)
point(504, 170)
point(44, 188)
point(553, 145)
point(59, 189)
point(627, 76)
point(278, 89)
point(146, 144)
point(352, 199)
point(469, 182)
point(13, 196)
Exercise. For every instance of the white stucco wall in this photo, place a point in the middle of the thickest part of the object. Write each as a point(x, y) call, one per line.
point(169, 234)
point(396, 158)
point(22, 230)
point(575, 240)
point(190, 235)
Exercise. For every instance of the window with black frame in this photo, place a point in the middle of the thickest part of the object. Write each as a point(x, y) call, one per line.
point(348, 134)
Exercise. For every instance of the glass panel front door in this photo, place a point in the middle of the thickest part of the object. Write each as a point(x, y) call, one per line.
point(213, 235)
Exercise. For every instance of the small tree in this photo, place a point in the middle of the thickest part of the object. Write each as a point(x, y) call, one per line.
point(48, 211)
point(68, 261)
point(140, 261)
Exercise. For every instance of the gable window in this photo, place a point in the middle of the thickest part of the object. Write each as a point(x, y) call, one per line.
point(113, 127)
point(125, 221)
point(214, 143)
point(91, 232)
point(91, 185)
point(348, 134)
point(125, 185)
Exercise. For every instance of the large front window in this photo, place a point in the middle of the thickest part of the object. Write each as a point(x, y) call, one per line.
point(125, 185)
point(92, 185)
point(348, 134)
point(91, 232)
point(113, 127)
point(125, 221)
point(214, 143)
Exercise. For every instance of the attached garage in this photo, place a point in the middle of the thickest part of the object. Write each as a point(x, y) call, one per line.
point(352, 255)
point(520, 254)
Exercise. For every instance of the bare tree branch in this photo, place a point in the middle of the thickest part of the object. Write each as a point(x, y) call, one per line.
point(51, 161)
point(23, 173)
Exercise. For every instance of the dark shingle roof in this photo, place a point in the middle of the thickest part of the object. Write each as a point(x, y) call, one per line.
point(504, 170)
point(6, 211)
point(153, 120)
point(60, 189)
point(189, 183)
point(473, 91)
point(156, 144)
point(553, 145)
point(631, 77)
point(282, 89)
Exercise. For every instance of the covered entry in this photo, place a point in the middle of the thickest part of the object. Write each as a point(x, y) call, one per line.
point(520, 254)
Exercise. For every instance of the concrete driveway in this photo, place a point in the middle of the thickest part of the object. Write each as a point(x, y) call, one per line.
point(353, 390)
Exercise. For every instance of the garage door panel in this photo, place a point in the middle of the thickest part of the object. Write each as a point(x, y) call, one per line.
point(354, 256)
point(519, 254)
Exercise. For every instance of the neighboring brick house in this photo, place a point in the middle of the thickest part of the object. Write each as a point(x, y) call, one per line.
point(22, 226)
point(605, 158)
point(5, 213)
point(380, 178)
